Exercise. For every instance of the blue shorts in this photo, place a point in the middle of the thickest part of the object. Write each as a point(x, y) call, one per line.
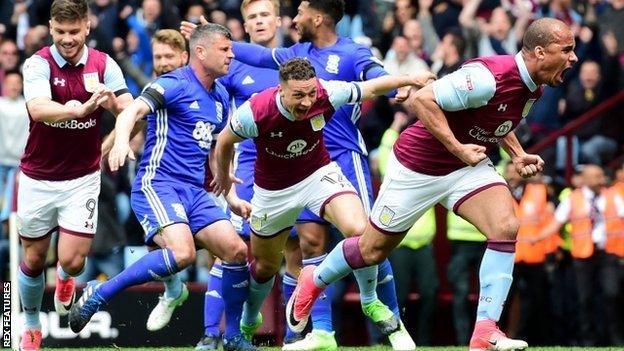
point(160, 205)
point(245, 172)
point(355, 167)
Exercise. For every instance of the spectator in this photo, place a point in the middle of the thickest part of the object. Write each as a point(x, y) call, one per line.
point(497, 36)
point(449, 54)
point(403, 61)
point(13, 135)
point(596, 147)
point(9, 59)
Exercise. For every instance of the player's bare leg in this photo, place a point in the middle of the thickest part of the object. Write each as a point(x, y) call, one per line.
point(31, 283)
point(491, 211)
point(73, 249)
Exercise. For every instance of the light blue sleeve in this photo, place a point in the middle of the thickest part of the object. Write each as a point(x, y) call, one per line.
point(342, 93)
point(242, 122)
point(113, 78)
point(36, 71)
point(471, 86)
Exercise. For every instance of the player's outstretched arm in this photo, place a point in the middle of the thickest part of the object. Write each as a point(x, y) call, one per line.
point(224, 151)
point(43, 109)
point(124, 125)
point(381, 85)
point(527, 165)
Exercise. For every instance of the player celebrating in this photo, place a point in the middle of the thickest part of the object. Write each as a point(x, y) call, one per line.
point(293, 170)
point(461, 117)
point(60, 180)
point(333, 58)
point(187, 106)
point(261, 23)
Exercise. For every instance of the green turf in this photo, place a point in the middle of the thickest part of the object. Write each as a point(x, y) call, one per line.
point(372, 348)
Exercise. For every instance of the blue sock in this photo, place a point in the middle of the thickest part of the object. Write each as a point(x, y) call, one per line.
point(154, 265)
point(385, 287)
point(258, 291)
point(495, 277)
point(235, 291)
point(31, 285)
point(321, 312)
point(288, 287)
point(213, 302)
point(342, 260)
point(173, 286)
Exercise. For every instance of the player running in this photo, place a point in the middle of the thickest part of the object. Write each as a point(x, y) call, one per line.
point(293, 170)
point(461, 117)
point(66, 85)
point(187, 106)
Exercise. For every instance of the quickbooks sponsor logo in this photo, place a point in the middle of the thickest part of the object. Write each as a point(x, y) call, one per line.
point(73, 124)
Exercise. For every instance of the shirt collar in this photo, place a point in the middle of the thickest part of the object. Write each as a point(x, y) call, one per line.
point(524, 73)
point(282, 108)
point(62, 62)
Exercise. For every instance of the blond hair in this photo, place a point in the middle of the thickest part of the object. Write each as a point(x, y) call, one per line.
point(245, 3)
point(170, 37)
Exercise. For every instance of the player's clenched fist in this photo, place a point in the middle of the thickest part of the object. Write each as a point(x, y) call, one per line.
point(528, 165)
point(422, 78)
point(471, 154)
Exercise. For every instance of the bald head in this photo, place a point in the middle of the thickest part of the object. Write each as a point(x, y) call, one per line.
point(542, 32)
point(593, 177)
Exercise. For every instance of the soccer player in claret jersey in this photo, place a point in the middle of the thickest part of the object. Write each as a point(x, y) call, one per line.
point(261, 23)
point(293, 170)
point(66, 85)
point(442, 159)
point(186, 107)
point(334, 58)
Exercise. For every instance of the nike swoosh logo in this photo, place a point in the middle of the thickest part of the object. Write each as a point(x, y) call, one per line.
point(493, 343)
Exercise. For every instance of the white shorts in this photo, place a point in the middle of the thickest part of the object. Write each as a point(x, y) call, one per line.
point(405, 195)
point(44, 205)
point(274, 211)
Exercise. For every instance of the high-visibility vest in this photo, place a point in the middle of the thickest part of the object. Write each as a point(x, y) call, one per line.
point(566, 240)
point(615, 225)
point(460, 229)
point(534, 213)
point(582, 241)
point(422, 232)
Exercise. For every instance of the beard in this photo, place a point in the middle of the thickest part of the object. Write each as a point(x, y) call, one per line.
point(306, 36)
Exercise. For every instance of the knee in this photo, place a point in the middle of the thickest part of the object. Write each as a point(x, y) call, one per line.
point(236, 252)
point(72, 265)
point(184, 256)
point(35, 260)
point(312, 247)
point(266, 268)
point(506, 229)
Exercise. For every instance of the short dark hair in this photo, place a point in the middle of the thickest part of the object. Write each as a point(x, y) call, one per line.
point(297, 69)
point(207, 32)
point(541, 33)
point(333, 8)
point(458, 41)
point(69, 10)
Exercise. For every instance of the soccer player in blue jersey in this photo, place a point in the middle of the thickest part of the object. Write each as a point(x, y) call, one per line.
point(334, 58)
point(261, 23)
point(186, 107)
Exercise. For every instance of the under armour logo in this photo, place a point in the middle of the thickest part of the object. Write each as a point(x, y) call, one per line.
point(59, 81)
point(277, 134)
point(88, 225)
point(502, 107)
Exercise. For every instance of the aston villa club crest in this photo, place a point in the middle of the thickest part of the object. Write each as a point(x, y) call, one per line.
point(317, 122)
point(91, 81)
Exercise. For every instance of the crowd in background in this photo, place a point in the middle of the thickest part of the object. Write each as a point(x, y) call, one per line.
point(554, 292)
